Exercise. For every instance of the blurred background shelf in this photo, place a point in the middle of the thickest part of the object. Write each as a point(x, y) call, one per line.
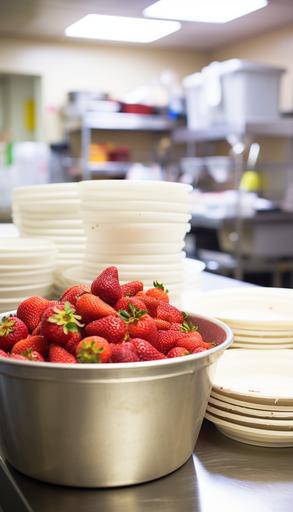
point(119, 121)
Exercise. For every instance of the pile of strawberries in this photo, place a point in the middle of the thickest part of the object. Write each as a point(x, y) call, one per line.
point(104, 323)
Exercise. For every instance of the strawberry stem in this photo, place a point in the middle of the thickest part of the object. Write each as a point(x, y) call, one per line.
point(89, 352)
point(132, 315)
point(67, 318)
point(6, 326)
point(160, 286)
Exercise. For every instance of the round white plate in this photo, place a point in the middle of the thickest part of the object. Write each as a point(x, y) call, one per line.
point(265, 340)
point(47, 232)
point(246, 411)
point(263, 333)
point(254, 436)
point(255, 307)
point(262, 346)
point(260, 375)
point(47, 188)
point(250, 404)
point(242, 419)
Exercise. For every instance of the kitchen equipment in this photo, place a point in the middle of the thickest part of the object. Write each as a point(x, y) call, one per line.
point(106, 425)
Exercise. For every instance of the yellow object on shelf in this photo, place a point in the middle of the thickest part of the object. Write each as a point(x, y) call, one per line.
point(30, 115)
point(251, 181)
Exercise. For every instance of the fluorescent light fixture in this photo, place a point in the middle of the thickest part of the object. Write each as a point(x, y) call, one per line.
point(121, 28)
point(208, 11)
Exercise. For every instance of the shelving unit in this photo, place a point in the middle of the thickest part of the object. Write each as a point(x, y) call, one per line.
point(112, 121)
point(238, 136)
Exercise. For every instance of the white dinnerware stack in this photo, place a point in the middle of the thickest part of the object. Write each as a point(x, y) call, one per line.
point(138, 226)
point(252, 397)
point(52, 211)
point(26, 268)
point(260, 318)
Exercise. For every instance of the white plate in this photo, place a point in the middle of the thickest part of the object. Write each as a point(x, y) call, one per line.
point(246, 411)
point(25, 278)
point(25, 245)
point(254, 436)
point(53, 232)
point(250, 404)
point(32, 289)
point(52, 223)
point(145, 268)
point(150, 248)
point(72, 205)
point(112, 204)
point(47, 188)
point(263, 333)
point(137, 233)
point(8, 269)
point(262, 346)
point(260, 375)
point(255, 307)
point(92, 217)
point(147, 189)
point(265, 340)
point(284, 424)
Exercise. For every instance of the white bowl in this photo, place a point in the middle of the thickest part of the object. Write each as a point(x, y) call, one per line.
point(101, 259)
point(40, 231)
point(25, 245)
point(26, 278)
point(144, 268)
point(47, 188)
point(111, 204)
point(32, 289)
point(135, 233)
point(148, 189)
point(91, 217)
point(117, 248)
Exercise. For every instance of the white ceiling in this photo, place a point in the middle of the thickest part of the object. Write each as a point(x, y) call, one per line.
point(48, 19)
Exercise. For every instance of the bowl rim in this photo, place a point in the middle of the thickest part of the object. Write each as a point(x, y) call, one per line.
point(135, 365)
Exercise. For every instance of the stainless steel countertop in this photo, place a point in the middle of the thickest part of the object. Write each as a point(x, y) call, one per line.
point(222, 476)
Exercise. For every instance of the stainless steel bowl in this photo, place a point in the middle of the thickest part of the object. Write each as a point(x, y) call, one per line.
point(106, 425)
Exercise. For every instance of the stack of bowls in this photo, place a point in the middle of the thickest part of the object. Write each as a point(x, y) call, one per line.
point(138, 226)
point(26, 268)
point(52, 212)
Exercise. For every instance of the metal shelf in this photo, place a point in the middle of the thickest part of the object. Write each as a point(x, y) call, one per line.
point(119, 121)
point(278, 128)
point(109, 167)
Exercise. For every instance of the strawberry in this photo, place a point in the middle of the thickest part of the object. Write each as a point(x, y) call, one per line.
point(185, 326)
point(29, 355)
point(146, 351)
point(167, 340)
point(58, 354)
point(91, 307)
point(140, 324)
point(93, 349)
point(12, 329)
point(168, 312)
point(58, 322)
point(158, 292)
point(3, 354)
point(110, 327)
point(30, 311)
point(132, 288)
point(199, 349)
point(34, 343)
point(107, 286)
point(71, 294)
point(178, 352)
point(124, 301)
point(151, 303)
point(162, 324)
point(124, 353)
point(190, 343)
point(71, 344)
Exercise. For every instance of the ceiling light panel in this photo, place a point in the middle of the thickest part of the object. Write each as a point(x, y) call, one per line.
point(121, 28)
point(207, 11)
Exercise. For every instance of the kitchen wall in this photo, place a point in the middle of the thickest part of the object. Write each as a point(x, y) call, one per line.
point(72, 66)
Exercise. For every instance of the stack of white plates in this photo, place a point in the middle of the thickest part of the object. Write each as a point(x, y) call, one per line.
point(138, 226)
point(52, 211)
point(252, 397)
point(261, 318)
point(26, 268)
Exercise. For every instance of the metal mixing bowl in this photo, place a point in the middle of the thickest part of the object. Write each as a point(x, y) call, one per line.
point(106, 425)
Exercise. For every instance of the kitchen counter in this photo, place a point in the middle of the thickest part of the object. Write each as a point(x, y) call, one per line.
point(222, 475)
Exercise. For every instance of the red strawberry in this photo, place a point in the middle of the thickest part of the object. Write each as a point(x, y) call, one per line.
point(178, 352)
point(110, 327)
point(71, 294)
point(72, 342)
point(124, 301)
point(162, 324)
point(151, 303)
point(158, 292)
point(3, 354)
point(107, 286)
point(58, 322)
point(58, 354)
point(168, 312)
point(37, 330)
point(132, 288)
point(186, 326)
point(124, 353)
point(199, 349)
point(190, 343)
point(146, 351)
point(12, 329)
point(34, 343)
point(167, 340)
point(91, 308)
point(140, 324)
point(18, 356)
point(93, 349)
point(30, 311)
